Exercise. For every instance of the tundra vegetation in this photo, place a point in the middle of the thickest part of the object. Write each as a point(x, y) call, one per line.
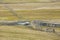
point(27, 11)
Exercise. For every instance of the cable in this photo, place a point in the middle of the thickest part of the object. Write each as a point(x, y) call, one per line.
point(11, 10)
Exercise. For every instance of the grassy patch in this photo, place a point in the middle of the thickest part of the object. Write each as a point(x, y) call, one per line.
point(19, 33)
point(25, 1)
point(33, 14)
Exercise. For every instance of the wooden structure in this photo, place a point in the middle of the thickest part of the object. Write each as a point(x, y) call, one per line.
point(38, 24)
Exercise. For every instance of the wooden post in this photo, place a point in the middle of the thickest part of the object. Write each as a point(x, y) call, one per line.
point(36, 24)
point(53, 28)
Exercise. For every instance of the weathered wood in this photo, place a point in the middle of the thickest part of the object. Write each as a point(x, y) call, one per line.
point(37, 24)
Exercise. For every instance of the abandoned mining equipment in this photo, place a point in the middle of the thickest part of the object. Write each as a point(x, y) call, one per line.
point(18, 22)
point(50, 26)
point(14, 23)
point(36, 24)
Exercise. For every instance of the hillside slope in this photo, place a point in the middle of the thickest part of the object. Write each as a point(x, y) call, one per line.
point(31, 14)
point(17, 1)
point(19, 33)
